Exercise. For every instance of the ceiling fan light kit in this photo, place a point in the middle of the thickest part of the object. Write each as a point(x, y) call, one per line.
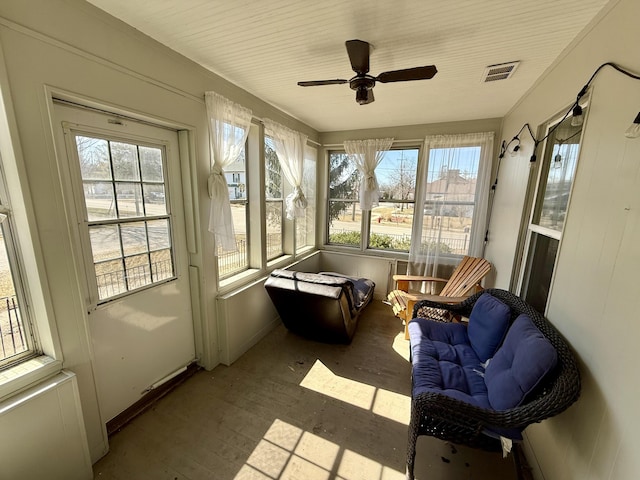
point(363, 83)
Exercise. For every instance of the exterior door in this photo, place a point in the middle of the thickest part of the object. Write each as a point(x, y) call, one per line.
point(126, 189)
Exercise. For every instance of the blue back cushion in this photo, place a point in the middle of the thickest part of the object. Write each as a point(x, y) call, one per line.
point(488, 323)
point(520, 364)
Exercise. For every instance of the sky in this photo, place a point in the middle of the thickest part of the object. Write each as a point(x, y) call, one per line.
point(465, 159)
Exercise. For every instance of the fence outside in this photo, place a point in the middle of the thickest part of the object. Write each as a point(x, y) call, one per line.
point(235, 261)
point(115, 283)
point(12, 334)
point(456, 245)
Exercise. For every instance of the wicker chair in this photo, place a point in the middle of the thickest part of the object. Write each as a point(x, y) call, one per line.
point(455, 421)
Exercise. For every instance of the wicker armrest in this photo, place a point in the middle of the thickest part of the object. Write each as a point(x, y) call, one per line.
point(459, 422)
point(463, 307)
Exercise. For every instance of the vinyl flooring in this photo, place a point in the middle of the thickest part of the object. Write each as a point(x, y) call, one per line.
point(292, 408)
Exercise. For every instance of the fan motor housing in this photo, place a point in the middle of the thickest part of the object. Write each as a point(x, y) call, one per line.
point(365, 81)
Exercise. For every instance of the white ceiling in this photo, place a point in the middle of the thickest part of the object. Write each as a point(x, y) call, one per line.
point(266, 46)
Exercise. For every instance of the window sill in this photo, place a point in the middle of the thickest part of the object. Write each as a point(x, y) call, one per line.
point(238, 280)
point(26, 373)
point(279, 261)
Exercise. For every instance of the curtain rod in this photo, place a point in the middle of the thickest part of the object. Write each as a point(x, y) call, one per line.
point(258, 120)
point(410, 140)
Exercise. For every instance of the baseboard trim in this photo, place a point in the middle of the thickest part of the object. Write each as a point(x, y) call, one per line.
point(118, 422)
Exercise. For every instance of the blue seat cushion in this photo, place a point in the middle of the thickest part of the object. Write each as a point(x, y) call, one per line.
point(488, 324)
point(519, 365)
point(444, 362)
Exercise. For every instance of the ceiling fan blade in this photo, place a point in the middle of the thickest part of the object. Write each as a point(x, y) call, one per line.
point(358, 51)
point(407, 74)
point(314, 83)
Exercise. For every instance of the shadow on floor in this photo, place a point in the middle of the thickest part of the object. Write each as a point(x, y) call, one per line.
point(293, 408)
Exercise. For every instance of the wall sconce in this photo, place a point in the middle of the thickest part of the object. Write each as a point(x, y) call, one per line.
point(513, 150)
point(634, 130)
point(578, 118)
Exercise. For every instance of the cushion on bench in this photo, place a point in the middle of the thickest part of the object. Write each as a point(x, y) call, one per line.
point(519, 365)
point(488, 324)
point(444, 362)
point(450, 359)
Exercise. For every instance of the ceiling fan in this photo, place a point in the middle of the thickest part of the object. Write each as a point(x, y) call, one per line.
point(363, 83)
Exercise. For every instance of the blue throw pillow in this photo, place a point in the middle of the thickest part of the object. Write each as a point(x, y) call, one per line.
point(520, 364)
point(488, 323)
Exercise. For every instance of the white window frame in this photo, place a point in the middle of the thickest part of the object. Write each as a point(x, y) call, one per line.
point(25, 325)
point(258, 262)
point(73, 131)
point(365, 221)
point(47, 358)
point(274, 200)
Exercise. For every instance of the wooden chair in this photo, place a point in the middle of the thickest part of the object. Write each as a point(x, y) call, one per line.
point(464, 281)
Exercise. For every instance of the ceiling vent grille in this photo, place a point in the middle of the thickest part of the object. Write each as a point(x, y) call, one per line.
point(500, 71)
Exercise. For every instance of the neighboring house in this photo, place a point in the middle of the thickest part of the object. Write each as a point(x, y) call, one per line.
point(237, 179)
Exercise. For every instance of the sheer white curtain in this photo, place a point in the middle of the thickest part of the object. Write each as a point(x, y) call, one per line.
point(367, 155)
point(228, 129)
point(453, 192)
point(290, 147)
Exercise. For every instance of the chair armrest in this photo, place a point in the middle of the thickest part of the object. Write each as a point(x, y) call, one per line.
point(418, 278)
point(434, 298)
point(402, 281)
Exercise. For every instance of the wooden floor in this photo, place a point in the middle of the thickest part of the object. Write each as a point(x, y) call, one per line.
point(294, 409)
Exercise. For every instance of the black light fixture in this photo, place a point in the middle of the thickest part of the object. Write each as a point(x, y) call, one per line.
point(514, 150)
point(634, 130)
point(362, 95)
point(578, 118)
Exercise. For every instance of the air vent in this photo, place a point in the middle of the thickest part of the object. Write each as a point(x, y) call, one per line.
point(500, 71)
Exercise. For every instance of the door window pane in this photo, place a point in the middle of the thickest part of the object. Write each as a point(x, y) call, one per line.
point(105, 242)
point(129, 200)
point(151, 164)
point(134, 238)
point(125, 161)
point(100, 200)
point(93, 154)
point(123, 242)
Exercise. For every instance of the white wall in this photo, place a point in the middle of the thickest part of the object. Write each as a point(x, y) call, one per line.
point(71, 46)
point(45, 419)
point(594, 296)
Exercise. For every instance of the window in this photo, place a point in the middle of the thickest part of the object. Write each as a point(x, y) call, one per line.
point(264, 236)
point(127, 216)
point(548, 211)
point(389, 225)
point(274, 199)
point(230, 263)
point(450, 199)
point(343, 212)
point(16, 342)
point(392, 221)
point(305, 227)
